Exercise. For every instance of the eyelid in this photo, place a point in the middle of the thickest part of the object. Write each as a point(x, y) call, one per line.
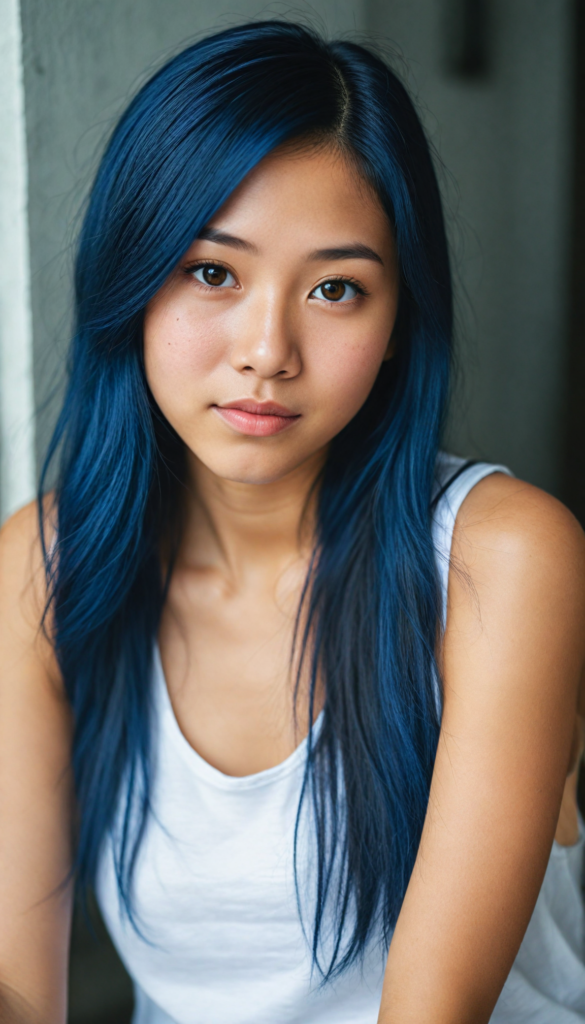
point(210, 261)
point(188, 268)
point(345, 279)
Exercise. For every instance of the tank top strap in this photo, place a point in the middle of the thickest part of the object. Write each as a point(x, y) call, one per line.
point(454, 478)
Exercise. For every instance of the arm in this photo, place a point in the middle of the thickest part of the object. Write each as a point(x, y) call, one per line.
point(567, 832)
point(14, 1010)
point(512, 659)
point(35, 793)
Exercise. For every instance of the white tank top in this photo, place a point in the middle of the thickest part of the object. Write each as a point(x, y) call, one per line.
point(214, 889)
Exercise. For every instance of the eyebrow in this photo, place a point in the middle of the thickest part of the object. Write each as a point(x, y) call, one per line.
point(223, 238)
point(353, 251)
point(356, 251)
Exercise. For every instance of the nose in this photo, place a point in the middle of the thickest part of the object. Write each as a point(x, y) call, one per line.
point(266, 344)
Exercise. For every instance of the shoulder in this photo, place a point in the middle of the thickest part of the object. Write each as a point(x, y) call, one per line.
point(23, 588)
point(505, 517)
point(21, 550)
point(20, 537)
point(518, 569)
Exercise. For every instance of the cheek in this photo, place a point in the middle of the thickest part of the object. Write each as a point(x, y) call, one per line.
point(180, 352)
point(346, 371)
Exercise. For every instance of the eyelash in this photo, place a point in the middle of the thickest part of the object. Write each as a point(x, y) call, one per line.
point(344, 280)
point(191, 267)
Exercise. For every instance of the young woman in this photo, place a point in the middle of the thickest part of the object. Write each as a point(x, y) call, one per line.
point(297, 694)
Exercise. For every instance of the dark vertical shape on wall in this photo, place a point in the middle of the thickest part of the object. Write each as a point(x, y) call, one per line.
point(574, 461)
point(467, 38)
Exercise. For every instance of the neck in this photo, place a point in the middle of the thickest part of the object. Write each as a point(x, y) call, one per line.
point(250, 529)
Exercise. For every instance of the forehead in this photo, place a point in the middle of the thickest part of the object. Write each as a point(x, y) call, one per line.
point(306, 198)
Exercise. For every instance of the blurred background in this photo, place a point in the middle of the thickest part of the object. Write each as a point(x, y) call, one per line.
point(500, 85)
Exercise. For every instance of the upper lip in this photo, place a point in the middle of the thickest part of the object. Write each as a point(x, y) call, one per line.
point(257, 408)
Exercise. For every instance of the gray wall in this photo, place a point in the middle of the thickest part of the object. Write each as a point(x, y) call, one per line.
point(503, 140)
point(83, 59)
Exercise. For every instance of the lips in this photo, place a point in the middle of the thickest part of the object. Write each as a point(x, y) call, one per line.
point(256, 419)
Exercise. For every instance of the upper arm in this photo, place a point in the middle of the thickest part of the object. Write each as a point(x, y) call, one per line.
point(512, 660)
point(35, 784)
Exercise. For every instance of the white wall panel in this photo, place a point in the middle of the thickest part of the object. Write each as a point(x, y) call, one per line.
point(16, 393)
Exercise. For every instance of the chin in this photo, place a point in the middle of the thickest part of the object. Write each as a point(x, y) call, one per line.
point(257, 470)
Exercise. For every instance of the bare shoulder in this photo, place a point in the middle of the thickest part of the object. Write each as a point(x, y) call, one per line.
point(521, 556)
point(505, 517)
point(20, 534)
point(23, 590)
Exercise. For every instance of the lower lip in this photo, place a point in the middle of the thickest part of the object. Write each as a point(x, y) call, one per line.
point(254, 425)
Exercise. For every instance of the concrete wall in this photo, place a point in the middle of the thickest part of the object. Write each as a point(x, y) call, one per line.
point(504, 141)
point(83, 59)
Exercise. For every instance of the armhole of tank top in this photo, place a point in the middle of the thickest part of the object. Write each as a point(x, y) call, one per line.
point(444, 487)
point(445, 506)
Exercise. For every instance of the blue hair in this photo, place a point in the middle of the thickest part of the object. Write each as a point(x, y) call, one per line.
point(185, 142)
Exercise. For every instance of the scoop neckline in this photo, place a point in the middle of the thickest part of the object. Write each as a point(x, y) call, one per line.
point(207, 771)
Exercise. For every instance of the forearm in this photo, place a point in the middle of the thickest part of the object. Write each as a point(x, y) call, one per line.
point(411, 996)
point(460, 927)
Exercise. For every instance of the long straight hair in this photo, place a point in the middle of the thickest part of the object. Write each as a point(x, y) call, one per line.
point(185, 142)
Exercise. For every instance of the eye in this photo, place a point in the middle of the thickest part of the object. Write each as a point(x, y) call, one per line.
point(336, 291)
point(213, 275)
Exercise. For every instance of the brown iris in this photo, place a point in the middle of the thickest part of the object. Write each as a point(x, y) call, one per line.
point(214, 275)
point(333, 290)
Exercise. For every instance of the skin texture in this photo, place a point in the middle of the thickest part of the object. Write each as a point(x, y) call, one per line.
point(512, 658)
point(36, 805)
point(512, 662)
point(227, 629)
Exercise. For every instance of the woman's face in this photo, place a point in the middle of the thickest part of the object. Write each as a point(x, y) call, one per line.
point(267, 339)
